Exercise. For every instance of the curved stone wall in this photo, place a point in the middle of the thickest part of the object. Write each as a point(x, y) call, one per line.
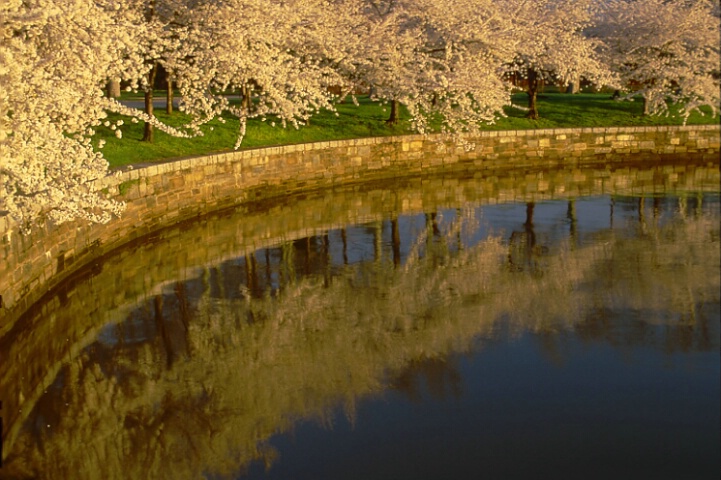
point(159, 195)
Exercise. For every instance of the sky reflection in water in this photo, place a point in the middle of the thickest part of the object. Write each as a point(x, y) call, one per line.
point(575, 337)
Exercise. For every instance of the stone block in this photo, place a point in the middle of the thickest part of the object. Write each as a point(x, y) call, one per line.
point(416, 145)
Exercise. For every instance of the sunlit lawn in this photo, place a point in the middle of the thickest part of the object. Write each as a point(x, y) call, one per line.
point(557, 110)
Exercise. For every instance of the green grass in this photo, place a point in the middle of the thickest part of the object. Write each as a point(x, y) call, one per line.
point(557, 110)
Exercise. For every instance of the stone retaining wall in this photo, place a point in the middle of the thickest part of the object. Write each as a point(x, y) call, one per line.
point(162, 194)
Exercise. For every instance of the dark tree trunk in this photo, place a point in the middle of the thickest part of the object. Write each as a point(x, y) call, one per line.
point(532, 94)
point(325, 255)
point(530, 232)
point(169, 95)
point(148, 133)
point(572, 223)
point(395, 116)
point(251, 275)
point(268, 271)
point(530, 206)
point(251, 282)
point(344, 240)
point(522, 245)
point(396, 238)
point(432, 221)
point(160, 322)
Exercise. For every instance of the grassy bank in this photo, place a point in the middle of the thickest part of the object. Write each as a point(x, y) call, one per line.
point(558, 110)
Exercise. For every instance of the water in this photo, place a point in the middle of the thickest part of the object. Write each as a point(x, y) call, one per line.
point(389, 333)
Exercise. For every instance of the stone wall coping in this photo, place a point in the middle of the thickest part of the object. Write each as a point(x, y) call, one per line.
point(150, 170)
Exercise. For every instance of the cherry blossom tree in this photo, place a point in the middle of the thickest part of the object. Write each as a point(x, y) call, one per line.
point(165, 46)
point(280, 53)
point(470, 42)
point(55, 58)
point(441, 59)
point(393, 59)
point(161, 41)
point(552, 44)
point(58, 55)
point(664, 51)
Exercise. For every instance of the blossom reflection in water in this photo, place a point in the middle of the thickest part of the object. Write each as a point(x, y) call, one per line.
point(541, 336)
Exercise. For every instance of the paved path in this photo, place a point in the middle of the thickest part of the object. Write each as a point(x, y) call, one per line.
point(157, 103)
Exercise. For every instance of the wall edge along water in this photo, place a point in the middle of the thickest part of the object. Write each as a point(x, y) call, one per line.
point(162, 194)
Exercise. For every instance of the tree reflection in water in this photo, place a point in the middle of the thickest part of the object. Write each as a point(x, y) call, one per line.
point(195, 376)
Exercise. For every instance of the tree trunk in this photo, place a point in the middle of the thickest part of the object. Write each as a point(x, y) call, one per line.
point(148, 133)
point(530, 206)
point(646, 109)
point(573, 87)
point(245, 102)
point(530, 237)
point(169, 95)
point(344, 240)
point(113, 89)
point(532, 93)
point(251, 275)
point(572, 222)
point(396, 239)
point(394, 117)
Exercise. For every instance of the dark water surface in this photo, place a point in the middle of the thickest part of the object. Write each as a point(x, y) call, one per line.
point(435, 329)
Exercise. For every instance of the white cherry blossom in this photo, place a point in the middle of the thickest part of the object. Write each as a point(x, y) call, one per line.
point(664, 51)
